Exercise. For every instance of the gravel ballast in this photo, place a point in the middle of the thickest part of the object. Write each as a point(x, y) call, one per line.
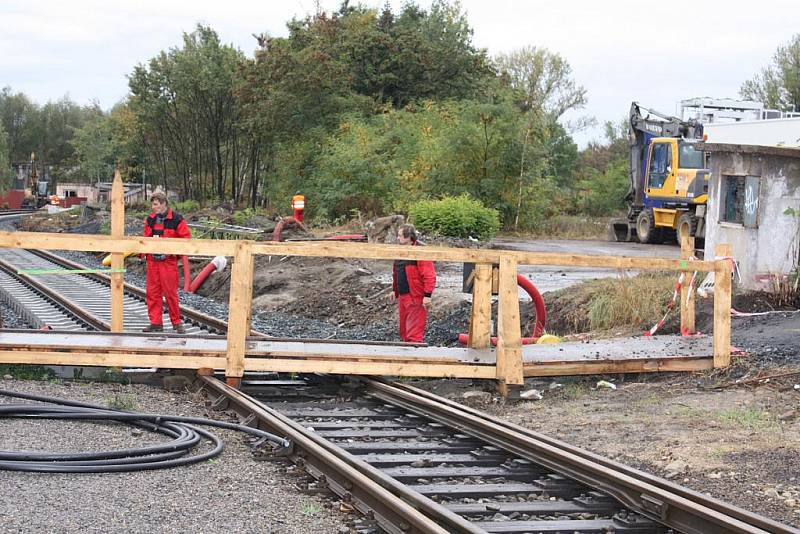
point(232, 492)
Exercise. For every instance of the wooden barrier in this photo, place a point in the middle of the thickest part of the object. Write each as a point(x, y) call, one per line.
point(507, 367)
point(687, 293)
point(117, 259)
point(722, 305)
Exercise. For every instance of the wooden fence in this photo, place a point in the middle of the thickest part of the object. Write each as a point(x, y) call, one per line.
point(508, 364)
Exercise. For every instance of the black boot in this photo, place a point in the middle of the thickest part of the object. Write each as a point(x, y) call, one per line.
point(153, 328)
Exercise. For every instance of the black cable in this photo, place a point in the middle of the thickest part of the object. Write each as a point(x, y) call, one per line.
point(158, 456)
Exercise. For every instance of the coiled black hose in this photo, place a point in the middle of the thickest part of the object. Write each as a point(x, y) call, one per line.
point(158, 456)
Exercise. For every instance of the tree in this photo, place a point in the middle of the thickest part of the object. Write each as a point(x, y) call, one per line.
point(5, 166)
point(541, 80)
point(602, 173)
point(778, 85)
point(93, 148)
point(19, 117)
point(543, 89)
point(184, 101)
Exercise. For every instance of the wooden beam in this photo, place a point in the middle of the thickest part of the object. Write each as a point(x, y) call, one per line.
point(101, 359)
point(509, 335)
point(117, 259)
point(210, 247)
point(239, 308)
point(107, 243)
point(687, 296)
point(369, 368)
point(480, 323)
point(618, 366)
point(722, 306)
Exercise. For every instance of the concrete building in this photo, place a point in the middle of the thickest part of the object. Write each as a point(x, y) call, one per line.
point(754, 204)
point(101, 192)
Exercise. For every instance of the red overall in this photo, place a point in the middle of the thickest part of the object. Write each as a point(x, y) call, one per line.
point(162, 270)
point(412, 281)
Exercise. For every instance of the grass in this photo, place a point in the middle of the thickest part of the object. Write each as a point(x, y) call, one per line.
point(622, 303)
point(573, 227)
point(126, 403)
point(638, 301)
point(575, 390)
point(650, 400)
point(114, 375)
point(309, 510)
point(751, 418)
point(28, 372)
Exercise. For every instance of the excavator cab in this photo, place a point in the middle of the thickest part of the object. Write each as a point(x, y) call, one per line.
point(675, 187)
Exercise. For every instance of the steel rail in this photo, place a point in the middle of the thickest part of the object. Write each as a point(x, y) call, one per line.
point(396, 507)
point(658, 499)
point(754, 519)
point(201, 318)
point(71, 308)
point(191, 314)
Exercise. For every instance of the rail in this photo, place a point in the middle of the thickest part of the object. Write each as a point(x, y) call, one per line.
point(387, 448)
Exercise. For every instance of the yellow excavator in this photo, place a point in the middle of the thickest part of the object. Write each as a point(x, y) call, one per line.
point(668, 179)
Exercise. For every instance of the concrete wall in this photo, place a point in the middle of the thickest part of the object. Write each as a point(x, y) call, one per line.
point(89, 192)
point(774, 245)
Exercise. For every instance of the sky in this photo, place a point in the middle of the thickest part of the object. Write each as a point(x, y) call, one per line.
point(655, 53)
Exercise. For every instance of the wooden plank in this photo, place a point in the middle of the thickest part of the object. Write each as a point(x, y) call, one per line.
point(387, 252)
point(480, 323)
point(509, 336)
point(239, 308)
point(107, 243)
point(110, 360)
point(687, 297)
point(117, 259)
point(210, 247)
point(300, 348)
point(217, 346)
point(100, 341)
point(619, 366)
point(432, 370)
point(722, 307)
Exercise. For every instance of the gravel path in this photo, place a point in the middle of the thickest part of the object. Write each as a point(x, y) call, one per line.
point(231, 493)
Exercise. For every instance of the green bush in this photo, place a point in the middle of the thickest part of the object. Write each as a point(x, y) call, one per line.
point(187, 206)
point(460, 216)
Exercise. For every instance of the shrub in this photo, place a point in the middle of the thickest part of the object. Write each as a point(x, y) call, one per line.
point(187, 206)
point(460, 216)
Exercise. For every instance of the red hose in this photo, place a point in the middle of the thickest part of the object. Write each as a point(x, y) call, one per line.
point(187, 275)
point(201, 277)
point(276, 233)
point(541, 314)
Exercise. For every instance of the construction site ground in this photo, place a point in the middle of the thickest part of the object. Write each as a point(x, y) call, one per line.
point(737, 441)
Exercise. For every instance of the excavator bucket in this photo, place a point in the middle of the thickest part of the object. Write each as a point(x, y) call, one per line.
point(621, 230)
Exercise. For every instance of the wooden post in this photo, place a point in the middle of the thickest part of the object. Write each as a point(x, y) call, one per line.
point(481, 318)
point(687, 297)
point(240, 308)
point(722, 307)
point(117, 259)
point(509, 335)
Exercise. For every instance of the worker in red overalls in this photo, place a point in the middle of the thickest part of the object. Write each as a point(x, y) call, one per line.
point(162, 269)
point(412, 284)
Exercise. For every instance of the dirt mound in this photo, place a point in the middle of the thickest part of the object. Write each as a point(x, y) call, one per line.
point(65, 221)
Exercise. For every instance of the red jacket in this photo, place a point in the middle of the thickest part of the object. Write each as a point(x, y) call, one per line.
point(415, 277)
point(173, 225)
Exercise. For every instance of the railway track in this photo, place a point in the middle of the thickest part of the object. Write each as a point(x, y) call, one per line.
point(411, 461)
point(9, 213)
point(78, 301)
